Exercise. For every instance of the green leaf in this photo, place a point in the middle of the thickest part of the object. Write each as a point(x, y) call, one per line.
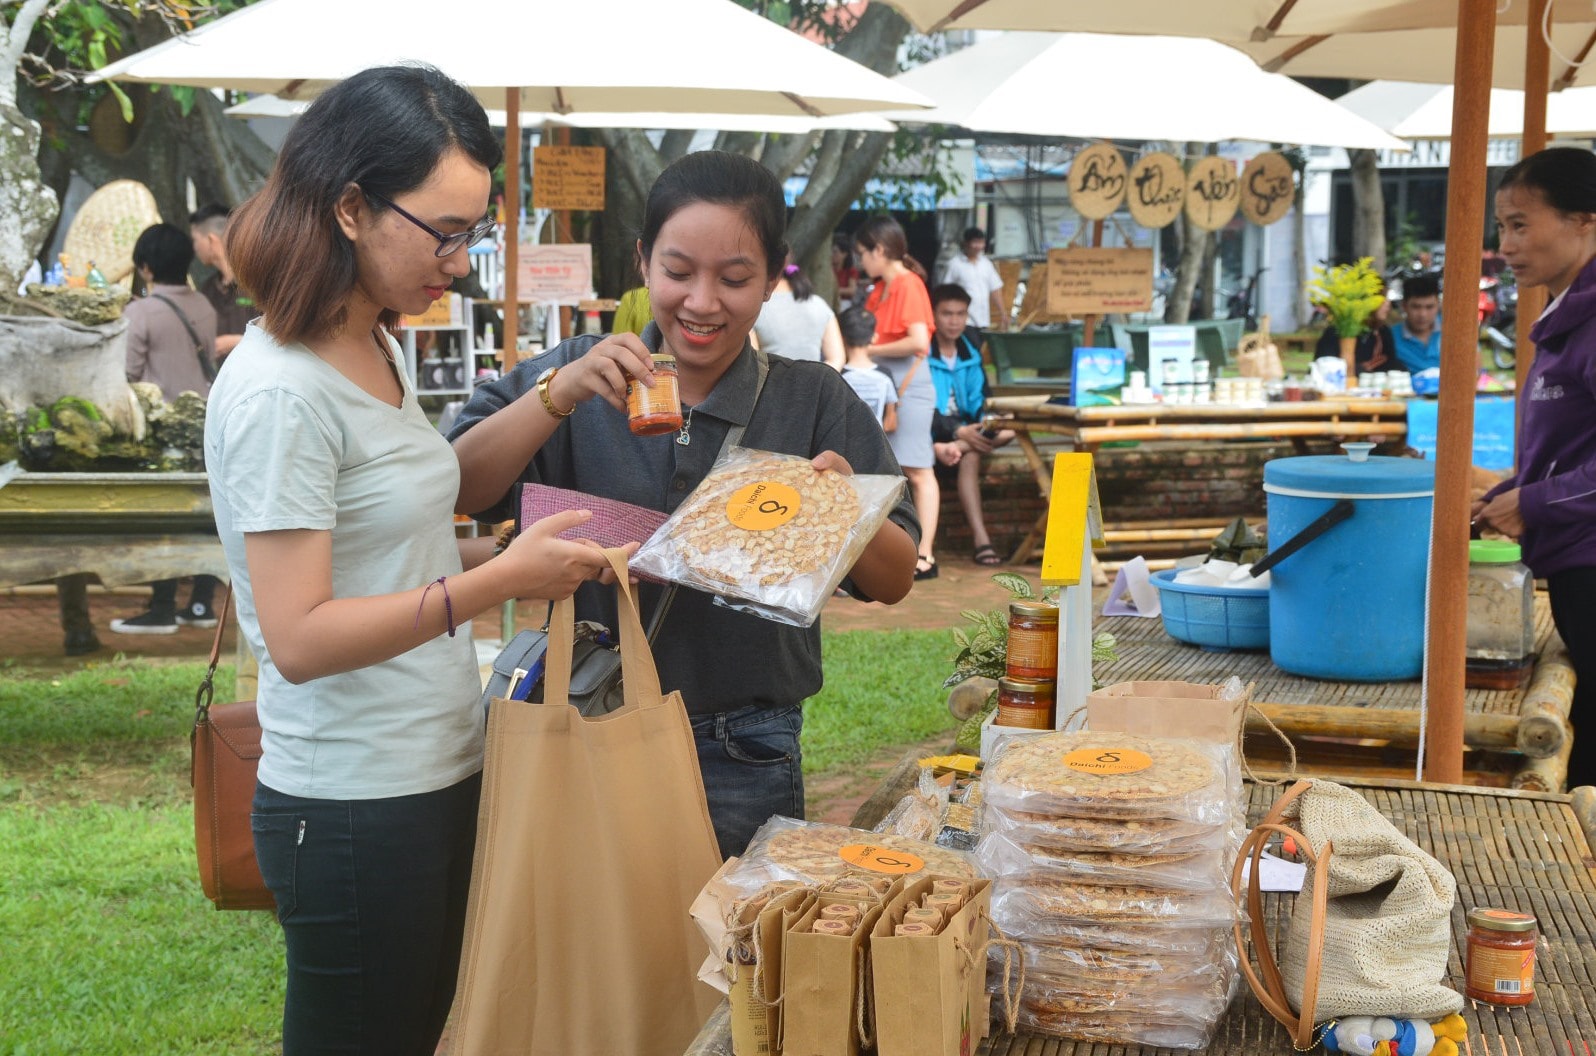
point(1015, 584)
point(122, 101)
point(184, 96)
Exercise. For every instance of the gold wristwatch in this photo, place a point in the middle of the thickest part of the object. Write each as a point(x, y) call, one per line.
point(545, 379)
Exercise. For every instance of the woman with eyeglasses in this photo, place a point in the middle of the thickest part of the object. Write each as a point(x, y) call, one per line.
point(333, 497)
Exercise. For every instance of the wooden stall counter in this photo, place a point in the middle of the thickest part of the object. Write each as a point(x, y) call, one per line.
point(1522, 851)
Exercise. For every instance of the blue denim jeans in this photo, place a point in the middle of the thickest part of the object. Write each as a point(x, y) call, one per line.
point(752, 768)
point(371, 895)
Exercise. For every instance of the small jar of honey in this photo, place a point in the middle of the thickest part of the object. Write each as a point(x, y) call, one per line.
point(1028, 703)
point(659, 409)
point(1033, 640)
point(1500, 968)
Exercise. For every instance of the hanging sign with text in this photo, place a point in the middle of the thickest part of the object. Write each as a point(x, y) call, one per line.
point(1083, 281)
point(1268, 188)
point(1157, 190)
point(568, 178)
point(1213, 192)
point(1097, 181)
point(558, 274)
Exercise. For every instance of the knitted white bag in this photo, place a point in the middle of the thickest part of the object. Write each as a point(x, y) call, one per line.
point(1371, 930)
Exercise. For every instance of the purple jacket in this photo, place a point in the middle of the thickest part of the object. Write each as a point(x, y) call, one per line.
point(1556, 474)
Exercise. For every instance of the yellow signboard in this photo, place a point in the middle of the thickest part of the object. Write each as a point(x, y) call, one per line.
point(568, 178)
point(1074, 519)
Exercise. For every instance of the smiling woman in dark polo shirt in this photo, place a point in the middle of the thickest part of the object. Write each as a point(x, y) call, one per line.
point(712, 247)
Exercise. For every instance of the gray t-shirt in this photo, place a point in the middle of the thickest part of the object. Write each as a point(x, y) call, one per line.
point(792, 328)
point(719, 659)
point(874, 387)
point(292, 443)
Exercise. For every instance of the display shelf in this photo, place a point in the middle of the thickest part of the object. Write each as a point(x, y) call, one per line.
point(449, 365)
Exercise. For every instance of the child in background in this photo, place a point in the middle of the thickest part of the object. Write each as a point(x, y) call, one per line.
point(872, 383)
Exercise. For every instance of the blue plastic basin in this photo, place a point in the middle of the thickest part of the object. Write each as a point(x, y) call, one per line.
point(1216, 618)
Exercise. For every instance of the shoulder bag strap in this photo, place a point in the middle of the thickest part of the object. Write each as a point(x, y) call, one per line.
point(207, 688)
point(204, 354)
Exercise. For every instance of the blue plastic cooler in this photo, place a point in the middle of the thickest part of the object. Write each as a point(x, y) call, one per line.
point(1349, 605)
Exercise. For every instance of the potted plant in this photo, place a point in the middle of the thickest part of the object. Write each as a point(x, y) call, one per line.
point(1349, 294)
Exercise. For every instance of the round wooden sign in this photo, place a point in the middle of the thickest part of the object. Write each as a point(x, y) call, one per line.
point(1213, 191)
point(1157, 190)
point(1268, 189)
point(107, 225)
point(1097, 181)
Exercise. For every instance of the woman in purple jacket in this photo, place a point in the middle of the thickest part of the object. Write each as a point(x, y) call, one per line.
point(1546, 214)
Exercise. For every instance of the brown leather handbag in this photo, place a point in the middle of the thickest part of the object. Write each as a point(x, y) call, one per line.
point(226, 752)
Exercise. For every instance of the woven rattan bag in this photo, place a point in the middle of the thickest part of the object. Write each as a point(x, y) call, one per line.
point(1370, 932)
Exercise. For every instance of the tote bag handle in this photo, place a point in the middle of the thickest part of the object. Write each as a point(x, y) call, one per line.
point(639, 676)
point(1266, 981)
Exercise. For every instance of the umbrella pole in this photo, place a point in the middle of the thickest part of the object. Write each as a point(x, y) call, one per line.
point(1537, 76)
point(512, 224)
point(1444, 656)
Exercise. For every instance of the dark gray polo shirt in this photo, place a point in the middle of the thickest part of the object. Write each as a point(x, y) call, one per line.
point(719, 659)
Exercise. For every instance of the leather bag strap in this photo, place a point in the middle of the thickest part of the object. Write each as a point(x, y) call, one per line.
point(206, 366)
point(1266, 981)
point(207, 687)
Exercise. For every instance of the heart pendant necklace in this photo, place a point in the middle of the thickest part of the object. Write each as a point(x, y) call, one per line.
point(685, 435)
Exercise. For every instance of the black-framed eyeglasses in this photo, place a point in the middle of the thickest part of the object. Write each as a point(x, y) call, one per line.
point(447, 244)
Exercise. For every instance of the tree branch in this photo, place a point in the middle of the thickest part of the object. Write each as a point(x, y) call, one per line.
point(13, 43)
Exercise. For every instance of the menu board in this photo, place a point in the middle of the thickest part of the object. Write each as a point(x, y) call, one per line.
point(558, 274)
point(568, 178)
point(1083, 281)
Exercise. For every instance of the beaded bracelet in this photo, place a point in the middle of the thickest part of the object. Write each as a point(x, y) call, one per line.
point(448, 603)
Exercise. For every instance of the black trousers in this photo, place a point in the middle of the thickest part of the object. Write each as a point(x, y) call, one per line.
point(1573, 597)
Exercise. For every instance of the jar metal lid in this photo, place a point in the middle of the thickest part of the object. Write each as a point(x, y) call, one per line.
point(664, 359)
point(1501, 920)
point(1494, 552)
point(1030, 687)
point(1039, 609)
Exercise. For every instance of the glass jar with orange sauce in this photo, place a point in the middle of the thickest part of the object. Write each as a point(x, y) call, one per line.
point(656, 410)
point(1500, 967)
point(1033, 640)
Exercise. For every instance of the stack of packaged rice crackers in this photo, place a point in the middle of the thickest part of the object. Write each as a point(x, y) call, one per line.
point(1110, 855)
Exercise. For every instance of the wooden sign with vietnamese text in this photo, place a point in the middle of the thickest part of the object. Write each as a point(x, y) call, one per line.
point(1097, 181)
point(1268, 189)
point(1213, 192)
point(1157, 190)
point(557, 274)
point(568, 178)
point(1082, 281)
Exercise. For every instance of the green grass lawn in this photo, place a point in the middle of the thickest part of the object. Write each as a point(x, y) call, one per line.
point(107, 943)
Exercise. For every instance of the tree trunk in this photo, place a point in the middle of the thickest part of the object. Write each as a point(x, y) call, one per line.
point(1193, 251)
point(1302, 309)
point(1368, 208)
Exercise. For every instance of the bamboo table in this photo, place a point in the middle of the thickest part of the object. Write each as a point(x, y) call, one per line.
point(1088, 428)
point(1515, 850)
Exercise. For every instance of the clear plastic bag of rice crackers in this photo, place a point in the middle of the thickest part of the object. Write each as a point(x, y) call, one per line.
point(769, 534)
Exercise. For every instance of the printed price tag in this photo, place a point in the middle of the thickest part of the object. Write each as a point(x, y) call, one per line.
point(879, 859)
point(1107, 760)
point(763, 506)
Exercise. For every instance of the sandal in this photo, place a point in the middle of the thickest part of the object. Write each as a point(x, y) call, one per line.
point(925, 568)
point(986, 554)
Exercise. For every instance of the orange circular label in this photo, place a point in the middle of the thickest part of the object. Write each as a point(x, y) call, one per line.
point(1107, 760)
point(879, 859)
point(763, 506)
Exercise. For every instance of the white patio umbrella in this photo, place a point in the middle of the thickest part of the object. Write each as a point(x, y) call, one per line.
point(1157, 88)
point(549, 56)
point(1218, 19)
point(1428, 55)
point(271, 106)
point(1424, 111)
point(559, 56)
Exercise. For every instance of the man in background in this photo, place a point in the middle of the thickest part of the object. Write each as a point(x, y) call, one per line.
point(234, 309)
point(1417, 337)
point(980, 279)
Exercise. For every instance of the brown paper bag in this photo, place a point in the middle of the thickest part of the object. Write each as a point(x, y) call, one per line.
point(822, 984)
point(929, 992)
point(1257, 357)
point(592, 839)
point(1184, 710)
point(757, 972)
